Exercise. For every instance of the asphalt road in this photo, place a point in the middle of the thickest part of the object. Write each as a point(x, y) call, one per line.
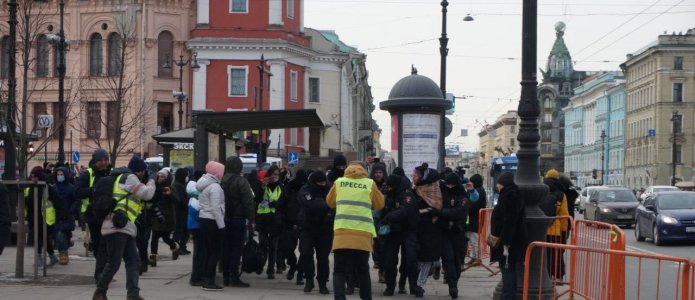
point(649, 278)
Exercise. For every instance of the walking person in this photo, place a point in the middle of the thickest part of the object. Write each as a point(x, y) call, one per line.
point(474, 208)
point(181, 233)
point(211, 221)
point(239, 209)
point(268, 220)
point(99, 167)
point(289, 208)
point(65, 207)
point(315, 219)
point(426, 181)
point(164, 224)
point(354, 196)
point(556, 205)
point(508, 233)
point(193, 226)
point(37, 174)
point(118, 228)
point(401, 216)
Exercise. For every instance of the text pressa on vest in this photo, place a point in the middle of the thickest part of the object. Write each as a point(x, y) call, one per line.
point(354, 185)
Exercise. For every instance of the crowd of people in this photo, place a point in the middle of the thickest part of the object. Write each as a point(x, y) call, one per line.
point(413, 226)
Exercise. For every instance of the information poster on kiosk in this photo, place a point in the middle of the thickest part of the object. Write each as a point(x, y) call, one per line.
point(420, 140)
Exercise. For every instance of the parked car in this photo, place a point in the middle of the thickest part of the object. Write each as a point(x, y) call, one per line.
point(584, 198)
point(614, 205)
point(655, 189)
point(666, 216)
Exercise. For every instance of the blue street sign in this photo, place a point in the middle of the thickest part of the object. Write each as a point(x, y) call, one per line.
point(293, 158)
point(75, 157)
point(652, 132)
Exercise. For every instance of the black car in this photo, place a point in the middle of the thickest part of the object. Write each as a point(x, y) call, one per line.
point(666, 216)
point(614, 205)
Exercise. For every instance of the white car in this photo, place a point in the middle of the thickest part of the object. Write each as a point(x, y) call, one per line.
point(656, 188)
point(584, 198)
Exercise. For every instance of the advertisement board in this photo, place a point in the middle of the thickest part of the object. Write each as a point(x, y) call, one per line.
point(421, 133)
point(180, 158)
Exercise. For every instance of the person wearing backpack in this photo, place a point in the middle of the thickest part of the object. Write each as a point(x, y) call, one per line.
point(212, 208)
point(99, 167)
point(131, 187)
point(239, 207)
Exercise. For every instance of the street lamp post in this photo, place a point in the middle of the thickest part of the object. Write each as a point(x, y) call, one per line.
point(61, 86)
point(603, 155)
point(180, 95)
point(528, 173)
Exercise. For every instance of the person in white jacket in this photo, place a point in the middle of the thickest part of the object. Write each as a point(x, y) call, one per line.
point(211, 221)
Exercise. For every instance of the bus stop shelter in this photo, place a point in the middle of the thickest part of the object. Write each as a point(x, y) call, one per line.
point(213, 129)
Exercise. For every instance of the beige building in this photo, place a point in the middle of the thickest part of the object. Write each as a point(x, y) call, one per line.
point(660, 79)
point(157, 32)
point(499, 139)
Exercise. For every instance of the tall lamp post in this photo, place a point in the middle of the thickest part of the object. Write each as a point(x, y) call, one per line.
point(443, 52)
point(603, 155)
point(61, 86)
point(528, 173)
point(180, 95)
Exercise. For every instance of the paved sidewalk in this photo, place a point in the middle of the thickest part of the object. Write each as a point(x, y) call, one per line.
point(169, 280)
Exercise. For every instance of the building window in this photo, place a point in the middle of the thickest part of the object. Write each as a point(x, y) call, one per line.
point(95, 55)
point(293, 85)
point(293, 136)
point(93, 120)
point(512, 141)
point(165, 50)
point(678, 63)
point(115, 54)
point(677, 92)
point(314, 90)
point(290, 9)
point(39, 109)
point(512, 129)
point(4, 57)
point(165, 117)
point(237, 81)
point(41, 56)
point(678, 124)
point(111, 115)
point(678, 154)
point(239, 6)
point(547, 117)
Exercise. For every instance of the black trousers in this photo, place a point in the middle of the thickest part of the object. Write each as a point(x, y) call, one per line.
point(452, 247)
point(165, 236)
point(392, 244)
point(269, 240)
point(198, 258)
point(142, 240)
point(95, 236)
point(234, 234)
point(287, 246)
point(119, 246)
point(181, 233)
point(357, 260)
point(210, 247)
point(315, 241)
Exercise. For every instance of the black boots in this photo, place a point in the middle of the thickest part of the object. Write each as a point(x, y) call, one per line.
point(453, 290)
point(309, 286)
point(323, 289)
point(235, 282)
point(388, 292)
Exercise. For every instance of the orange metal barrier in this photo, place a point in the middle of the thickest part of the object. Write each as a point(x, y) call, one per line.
point(649, 276)
point(484, 220)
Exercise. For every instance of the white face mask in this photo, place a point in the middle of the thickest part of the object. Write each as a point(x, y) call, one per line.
point(60, 178)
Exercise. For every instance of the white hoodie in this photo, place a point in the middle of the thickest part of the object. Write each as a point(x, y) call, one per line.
point(211, 199)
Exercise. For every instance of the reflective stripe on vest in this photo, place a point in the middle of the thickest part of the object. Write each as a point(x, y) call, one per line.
point(131, 206)
point(353, 205)
point(269, 196)
point(85, 201)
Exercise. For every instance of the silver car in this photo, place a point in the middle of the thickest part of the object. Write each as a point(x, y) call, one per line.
point(612, 205)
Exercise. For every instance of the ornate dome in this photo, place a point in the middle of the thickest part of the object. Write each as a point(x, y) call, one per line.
point(416, 91)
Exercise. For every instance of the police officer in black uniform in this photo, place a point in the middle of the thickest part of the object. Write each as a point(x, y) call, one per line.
point(402, 216)
point(452, 221)
point(316, 222)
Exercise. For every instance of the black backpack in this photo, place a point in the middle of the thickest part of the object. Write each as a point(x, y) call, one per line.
point(253, 257)
point(103, 202)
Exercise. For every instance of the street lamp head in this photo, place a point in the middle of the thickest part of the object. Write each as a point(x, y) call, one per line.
point(195, 66)
point(468, 18)
point(167, 65)
point(178, 95)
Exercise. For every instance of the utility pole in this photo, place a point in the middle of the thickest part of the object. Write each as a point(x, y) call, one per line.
point(675, 118)
point(603, 155)
point(262, 71)
point(61, 86)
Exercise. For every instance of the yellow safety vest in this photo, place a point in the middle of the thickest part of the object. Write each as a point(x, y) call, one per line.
point(130, 205)
point(50, 212)
point(85, 201)
point(269, 196)
point(353, 205)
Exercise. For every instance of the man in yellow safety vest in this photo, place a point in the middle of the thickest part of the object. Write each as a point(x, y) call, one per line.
point(131, 187)
point(354, 196)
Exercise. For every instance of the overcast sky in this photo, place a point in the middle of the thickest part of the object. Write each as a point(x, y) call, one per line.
point(484, 57)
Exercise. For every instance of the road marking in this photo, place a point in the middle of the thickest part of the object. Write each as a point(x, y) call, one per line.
point(637, 249)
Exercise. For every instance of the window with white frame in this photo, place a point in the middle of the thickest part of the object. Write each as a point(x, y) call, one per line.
point(290, 9)
point(238, 6)
point(293, 136)
point(314, 90)
point(293, 85)
point(237, 81)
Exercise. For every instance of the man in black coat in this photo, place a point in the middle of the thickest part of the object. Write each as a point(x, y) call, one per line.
point(402, 216)
point(452, 221)
point(474, 208)
point(181, 210)
point(288, 206)
point(316, 222)
point(99, 167)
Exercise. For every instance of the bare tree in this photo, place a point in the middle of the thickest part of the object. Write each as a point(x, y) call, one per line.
point(125, 111)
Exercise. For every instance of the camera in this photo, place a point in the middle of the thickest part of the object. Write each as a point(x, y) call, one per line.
point(376, 159)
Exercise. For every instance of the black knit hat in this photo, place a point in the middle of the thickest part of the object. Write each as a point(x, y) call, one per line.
point(452, 178)
point(506, 179)
point(339, 160)
point(317, 176)
point(394, 181)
